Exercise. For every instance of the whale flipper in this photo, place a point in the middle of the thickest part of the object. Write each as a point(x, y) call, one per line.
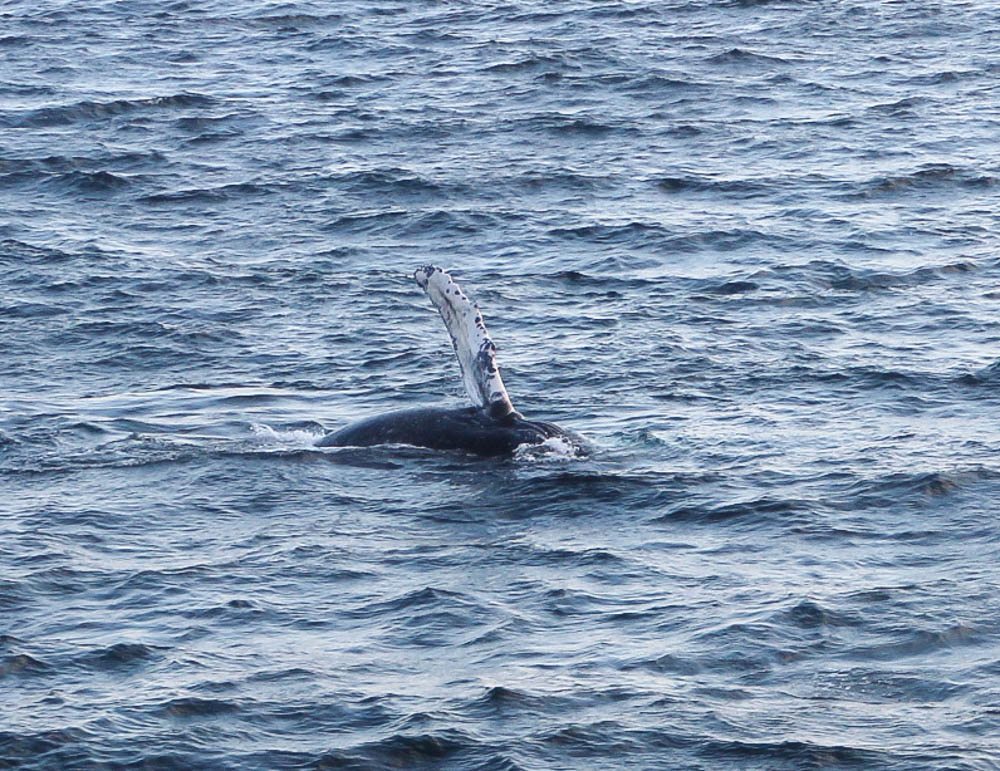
point(475, 350)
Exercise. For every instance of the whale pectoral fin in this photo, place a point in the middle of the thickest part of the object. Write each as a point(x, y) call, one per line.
point(475, 350)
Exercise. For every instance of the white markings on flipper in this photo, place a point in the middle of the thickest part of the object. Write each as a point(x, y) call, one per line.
point(475, 350)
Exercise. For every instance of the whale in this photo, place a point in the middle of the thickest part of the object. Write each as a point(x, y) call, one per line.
point(490, 426)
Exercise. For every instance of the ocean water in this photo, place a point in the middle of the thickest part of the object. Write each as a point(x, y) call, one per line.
point(748, 249)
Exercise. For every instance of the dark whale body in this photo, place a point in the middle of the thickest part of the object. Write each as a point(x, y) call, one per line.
point(469, 429)
point(491, 427)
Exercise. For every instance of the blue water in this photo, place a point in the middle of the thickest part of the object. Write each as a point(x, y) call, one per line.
point(748, 249)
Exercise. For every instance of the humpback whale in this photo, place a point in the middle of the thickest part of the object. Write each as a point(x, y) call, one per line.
point(491, 426)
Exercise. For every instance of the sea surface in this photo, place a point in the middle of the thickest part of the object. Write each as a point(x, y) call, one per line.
point(748, 249)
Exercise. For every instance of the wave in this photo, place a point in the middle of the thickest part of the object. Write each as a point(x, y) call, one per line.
point(195, 707)
point(406, 223)
point(22, 665)
point(572, 125)
point(748, 188)
point(19, 252)
point(905, 108)
point(402, 750)
point(294, 21)
point(222, 193)
point(939, 177)
point(599, 282)
point(839, 276)
point(800, 754)
point(31, 310)
point(891, 488)
point(140, 452)
point(811, 614)
point(90, 111)
point(601, 233)
point(500, 700)
point(943, 78)
point(756, 3)
point(27, 89)
point(562, 491)
point(56, 166)
point(742, 57)
point(644, 86)
point(918, 642)
point(751, 513)
point(986, 376)
point(119, 655)
point(200, 124)
point(729, 288)
point(91, 182)
point(554, 179)
point(55, 748)
point(425, 599)
point(531, 63)
point(654, 235)
point(388, 181)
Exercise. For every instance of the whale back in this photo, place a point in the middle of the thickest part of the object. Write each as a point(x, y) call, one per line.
point(473, 346)
point(467, 428)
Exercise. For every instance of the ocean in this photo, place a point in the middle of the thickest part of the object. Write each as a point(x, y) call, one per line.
point(749, 250)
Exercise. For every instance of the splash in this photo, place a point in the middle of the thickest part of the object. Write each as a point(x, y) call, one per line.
point(553, 449)
point(267, 437)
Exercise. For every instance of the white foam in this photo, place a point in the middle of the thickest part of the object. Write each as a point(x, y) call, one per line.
point(284, 439)
point(553, 449)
